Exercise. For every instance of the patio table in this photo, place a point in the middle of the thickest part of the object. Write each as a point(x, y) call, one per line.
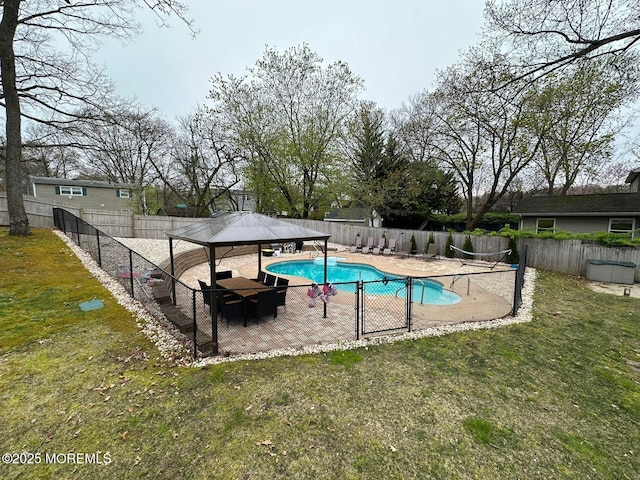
point(245, 287)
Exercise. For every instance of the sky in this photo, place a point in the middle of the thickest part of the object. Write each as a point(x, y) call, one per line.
point(396, 46)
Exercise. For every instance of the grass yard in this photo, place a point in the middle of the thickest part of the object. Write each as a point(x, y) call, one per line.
point(558, 398)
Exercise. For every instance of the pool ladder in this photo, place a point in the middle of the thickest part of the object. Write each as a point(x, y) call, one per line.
point(458, 277)
point(416, 280)
point(317, 249)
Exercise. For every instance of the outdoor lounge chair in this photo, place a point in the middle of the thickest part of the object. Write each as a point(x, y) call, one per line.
point(405, 251)
point(357, 246)
point(369, 246)
point(378, 250)
point(391, 248)
point(431, 253)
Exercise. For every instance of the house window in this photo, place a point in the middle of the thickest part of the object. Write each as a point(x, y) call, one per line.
point(622, 225)
point(71, 191)
point(546, 225)
point(123, 193)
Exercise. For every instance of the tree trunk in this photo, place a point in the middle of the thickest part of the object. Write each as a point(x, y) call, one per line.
point(18, 221)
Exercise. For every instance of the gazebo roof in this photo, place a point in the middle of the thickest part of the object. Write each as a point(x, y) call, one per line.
point(243, 228)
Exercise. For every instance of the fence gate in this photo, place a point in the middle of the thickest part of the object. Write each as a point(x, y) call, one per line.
point(385, 305)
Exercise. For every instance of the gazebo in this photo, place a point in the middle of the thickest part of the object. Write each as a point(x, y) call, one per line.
point(240, 228)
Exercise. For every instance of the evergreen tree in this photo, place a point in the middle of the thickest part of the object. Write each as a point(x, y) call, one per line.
point(447, 248)
point(467, 247)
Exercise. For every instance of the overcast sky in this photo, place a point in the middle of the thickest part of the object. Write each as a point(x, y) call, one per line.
point(394, 46)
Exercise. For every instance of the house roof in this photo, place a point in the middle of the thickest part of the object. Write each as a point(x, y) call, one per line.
point(77, 183)
point(243, 228)
point(175, 211)
point(598, 204)
point(347, 215)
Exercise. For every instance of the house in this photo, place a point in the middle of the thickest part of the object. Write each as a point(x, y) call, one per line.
point(235, 200)
point(599, 212)
point(354, 216)
point(182, 210)
point(92, 194)
point(634, 180)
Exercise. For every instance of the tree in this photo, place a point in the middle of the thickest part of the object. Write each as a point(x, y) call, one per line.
point(365, 151)
point(287, 115)
point(549, 35)
point(576, 116)
point(481, 130)
point(133, 147)
point(45, 52)
point(207, 165)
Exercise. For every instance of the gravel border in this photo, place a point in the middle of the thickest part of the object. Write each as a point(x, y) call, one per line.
point(174, 347)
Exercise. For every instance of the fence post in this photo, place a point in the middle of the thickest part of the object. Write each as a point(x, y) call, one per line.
point(358, 290)
point(131, 272)
point(78, 230)
point(99, 252)
point(195, 326)
point(409, 305)
point(519, 282)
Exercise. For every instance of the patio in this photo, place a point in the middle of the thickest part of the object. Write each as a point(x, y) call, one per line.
point(490, 296)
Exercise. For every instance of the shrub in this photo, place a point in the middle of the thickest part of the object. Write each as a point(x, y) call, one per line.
point(414, 245)
point(467, 247)
point(514, 256)
point(447, 248)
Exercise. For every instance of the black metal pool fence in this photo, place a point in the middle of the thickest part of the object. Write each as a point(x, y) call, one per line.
point(366, 309)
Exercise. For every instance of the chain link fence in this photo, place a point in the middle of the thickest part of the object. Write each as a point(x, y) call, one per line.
point(359, 309)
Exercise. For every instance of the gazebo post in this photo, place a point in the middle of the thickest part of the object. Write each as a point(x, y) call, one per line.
point(326, 267)
point(214, 300)
point(173, 272)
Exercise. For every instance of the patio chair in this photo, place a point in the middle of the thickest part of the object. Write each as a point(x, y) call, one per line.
point(232, 308)
point(369, 246)
point(260, 277)
point(357, 246)
point(281, 292)
point(378, 249)
point(270, 280)
point(431, 253)
point(263, 304)
point(404, 251)
point(391, 248)
point(206, 293)
point(224, 274)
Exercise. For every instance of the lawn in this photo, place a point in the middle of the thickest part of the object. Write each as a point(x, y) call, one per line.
point(85, 395)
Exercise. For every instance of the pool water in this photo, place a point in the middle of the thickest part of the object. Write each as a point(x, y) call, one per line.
point(344, 276)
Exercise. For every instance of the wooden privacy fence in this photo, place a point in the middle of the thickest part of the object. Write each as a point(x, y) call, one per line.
point(563, 256)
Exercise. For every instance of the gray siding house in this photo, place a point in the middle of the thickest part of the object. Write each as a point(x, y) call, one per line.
point(606, 212)
point(92, 194)
point(600, 212)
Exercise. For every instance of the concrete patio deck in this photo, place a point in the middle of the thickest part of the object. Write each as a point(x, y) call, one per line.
point(485, 295)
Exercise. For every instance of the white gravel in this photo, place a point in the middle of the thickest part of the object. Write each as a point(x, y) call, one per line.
point(173, 346)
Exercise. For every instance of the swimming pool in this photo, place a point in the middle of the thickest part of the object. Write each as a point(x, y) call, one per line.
point(344, 275)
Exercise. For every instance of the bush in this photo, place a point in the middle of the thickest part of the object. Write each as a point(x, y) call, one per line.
point(414, 245)
point(447, 248)
point(603, 238)
point(467, 247)
point(514, 256)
